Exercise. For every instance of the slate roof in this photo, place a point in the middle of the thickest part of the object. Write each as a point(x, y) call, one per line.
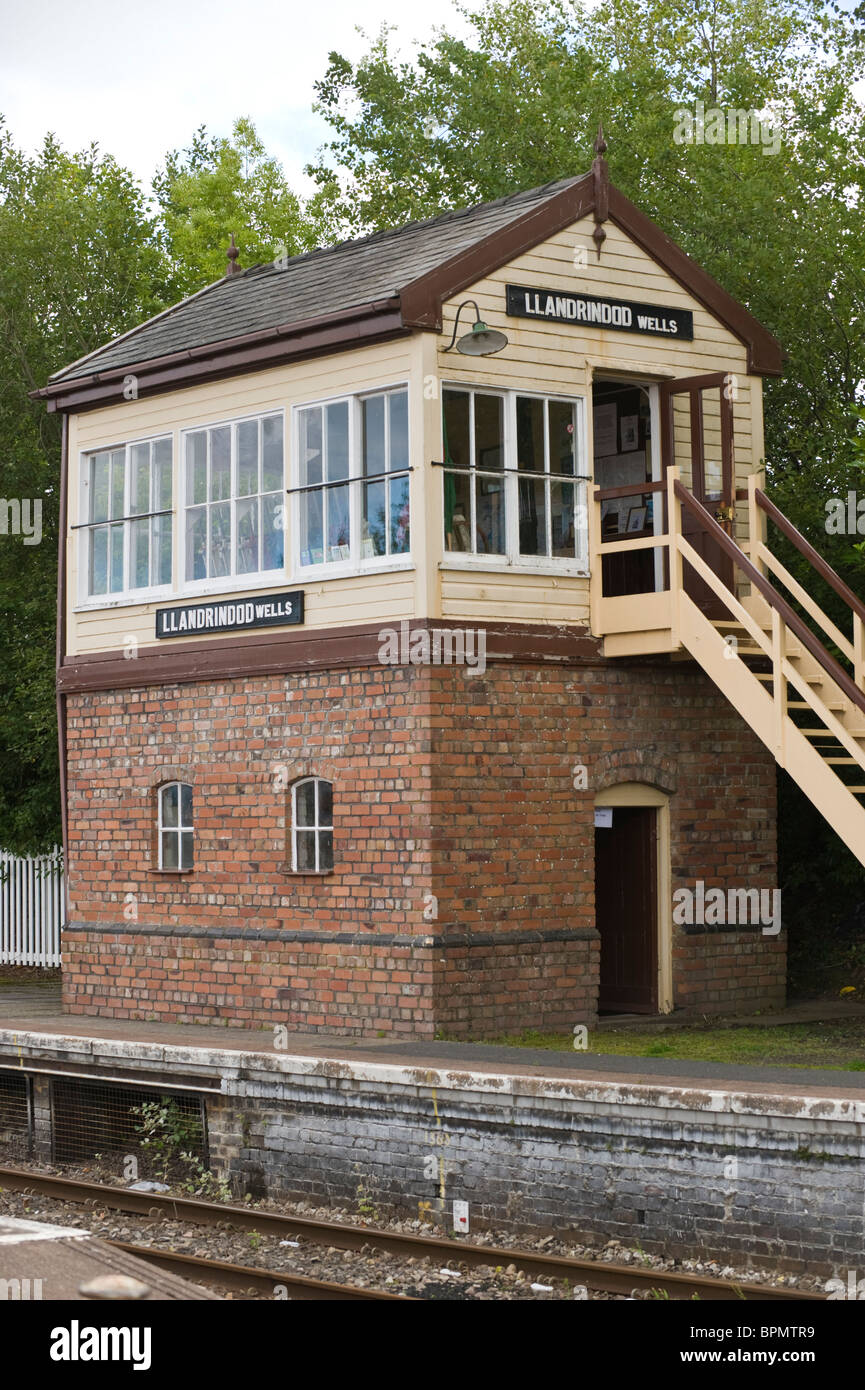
point(317, 283)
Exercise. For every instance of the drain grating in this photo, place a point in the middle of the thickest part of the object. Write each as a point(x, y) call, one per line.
point(15, 1127)
point(129, 1130)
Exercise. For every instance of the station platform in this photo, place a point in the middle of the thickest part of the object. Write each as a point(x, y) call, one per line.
point(37, 1010)
point(761, 1164)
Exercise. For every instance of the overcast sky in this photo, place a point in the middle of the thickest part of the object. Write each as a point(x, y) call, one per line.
point(139, 78)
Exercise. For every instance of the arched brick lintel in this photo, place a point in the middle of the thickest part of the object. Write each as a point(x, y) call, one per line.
point(635, 765)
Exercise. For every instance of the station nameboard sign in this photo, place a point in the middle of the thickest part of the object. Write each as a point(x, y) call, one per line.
point(274, 610)
point(623, 315)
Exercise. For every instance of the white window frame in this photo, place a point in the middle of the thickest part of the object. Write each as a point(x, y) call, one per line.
point(512, 559)
point(356, 563)
point(253, 579)
point(315, 830)
point(178, 830)
point(126, 595)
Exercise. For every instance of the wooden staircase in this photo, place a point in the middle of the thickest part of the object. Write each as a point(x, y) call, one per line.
point(804, 701)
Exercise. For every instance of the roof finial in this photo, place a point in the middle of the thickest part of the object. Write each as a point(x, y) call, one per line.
point(232, 268)
point(601, 182)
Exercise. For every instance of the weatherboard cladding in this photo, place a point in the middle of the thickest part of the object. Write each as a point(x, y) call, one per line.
point(312, 285)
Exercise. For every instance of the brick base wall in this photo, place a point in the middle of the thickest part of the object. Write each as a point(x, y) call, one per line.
point(462, 898)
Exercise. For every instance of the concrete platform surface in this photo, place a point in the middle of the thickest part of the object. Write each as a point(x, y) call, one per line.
point(31, 1012)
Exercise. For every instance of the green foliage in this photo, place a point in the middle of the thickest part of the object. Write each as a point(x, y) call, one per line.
point(78, 265)
point(520, 104)
point(167, 1134)
point(218, 186)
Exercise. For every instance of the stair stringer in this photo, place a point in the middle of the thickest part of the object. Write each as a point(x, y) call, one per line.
point(790, 748)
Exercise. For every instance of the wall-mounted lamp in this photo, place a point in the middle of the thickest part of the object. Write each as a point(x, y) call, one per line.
point(481, 341)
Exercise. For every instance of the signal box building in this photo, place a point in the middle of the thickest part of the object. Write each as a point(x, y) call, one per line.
point(423, 668)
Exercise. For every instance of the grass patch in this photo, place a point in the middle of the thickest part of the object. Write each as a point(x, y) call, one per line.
point(839, 1045)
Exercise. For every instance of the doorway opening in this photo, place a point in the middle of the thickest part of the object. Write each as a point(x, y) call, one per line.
point(626, 448)
point(632, 900)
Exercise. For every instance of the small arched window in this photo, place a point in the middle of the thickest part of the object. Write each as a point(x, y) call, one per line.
point(175, 827)
point(312, 825)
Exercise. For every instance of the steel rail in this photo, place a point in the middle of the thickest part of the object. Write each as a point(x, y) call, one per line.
point(595, 1274)
point(298, 1286)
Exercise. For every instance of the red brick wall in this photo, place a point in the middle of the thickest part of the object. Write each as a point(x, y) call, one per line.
point(462, 897)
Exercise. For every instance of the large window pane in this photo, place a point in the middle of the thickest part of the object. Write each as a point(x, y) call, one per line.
point(338, 524)
point(458, 511)
point(564, 537)
point(219, 559)
point(490, 516)
point(247, 458)
point(272, 469)
point(398, 403)
point(196, 467)
point(533, 516)
point(117, 584)
point(272, 531)
point(100, 465)
point(337, 441)
point(140, 498)
point(310, 447)
point(169, 804)
point(305, 803)
point(455, 412)
point(374, 520)
point(161, 550)
point(562, 435)
point(118, 484)
point(374, 435)
point(247, 536)
point(140, 554)
point(196, 543)
point(311, 528)
point(400, 533)
point(489, 431)
point(99, 560)
point(220, 464)
point(530, 434)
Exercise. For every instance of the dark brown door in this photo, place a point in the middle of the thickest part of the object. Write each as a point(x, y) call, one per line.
point(626, 910)
point(705, 430)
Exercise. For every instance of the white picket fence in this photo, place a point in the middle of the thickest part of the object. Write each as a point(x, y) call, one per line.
point(32, 909)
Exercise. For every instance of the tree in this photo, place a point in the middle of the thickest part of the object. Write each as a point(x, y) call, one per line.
point(462, 122)
point(78, 264)
point(218, 186)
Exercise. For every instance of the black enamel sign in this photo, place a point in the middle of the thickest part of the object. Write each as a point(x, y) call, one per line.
point(589, 311)
point(228, 615)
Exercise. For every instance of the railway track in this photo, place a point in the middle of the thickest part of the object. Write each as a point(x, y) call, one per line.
point(622, 1280)
point(297, 1287)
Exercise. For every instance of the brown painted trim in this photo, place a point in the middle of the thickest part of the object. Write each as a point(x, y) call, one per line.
point(231, 357)
point(422, 299)
point(323, 650)
point(60, 643)
point(765, 355)
point(419, 305)
point(814, 558)
point(773, 598)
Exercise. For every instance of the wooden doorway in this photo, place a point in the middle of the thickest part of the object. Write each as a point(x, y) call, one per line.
point(626, 907)
point(697, 422)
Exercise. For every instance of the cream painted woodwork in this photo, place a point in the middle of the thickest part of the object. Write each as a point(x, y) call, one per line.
point(543, 358)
